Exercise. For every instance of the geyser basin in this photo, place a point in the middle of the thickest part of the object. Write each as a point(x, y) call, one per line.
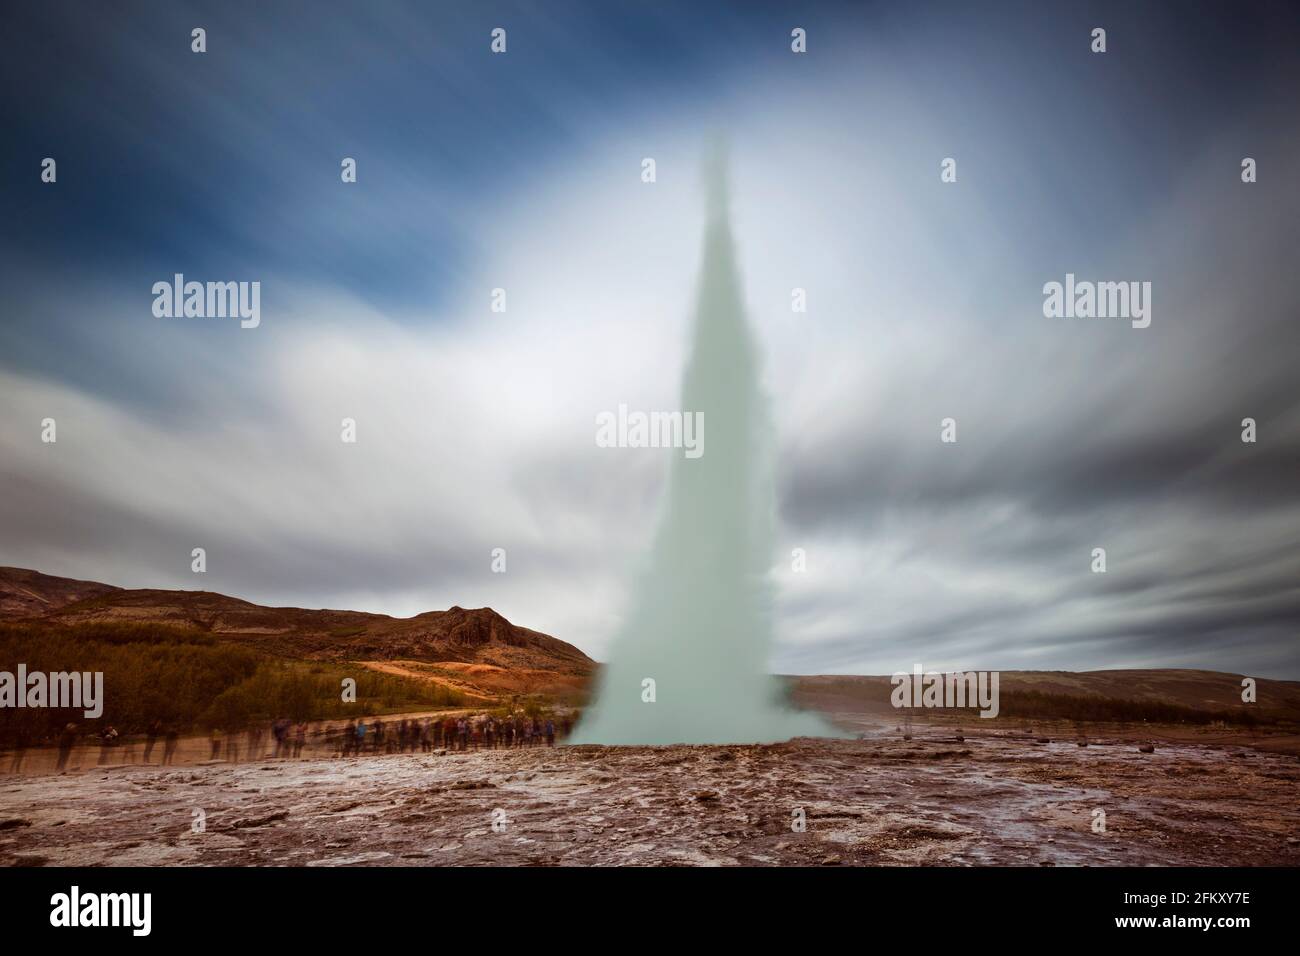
point(700, 624)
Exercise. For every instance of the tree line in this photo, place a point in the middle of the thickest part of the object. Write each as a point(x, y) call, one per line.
point(185, 679)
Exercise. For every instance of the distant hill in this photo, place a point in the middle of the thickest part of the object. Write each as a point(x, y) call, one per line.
point(479, 654)
point(26, 593)
point(457, 636)
point(1206, 692)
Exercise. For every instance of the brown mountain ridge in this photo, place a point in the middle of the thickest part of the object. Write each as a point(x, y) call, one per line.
point(483, 655)
point(456, 636)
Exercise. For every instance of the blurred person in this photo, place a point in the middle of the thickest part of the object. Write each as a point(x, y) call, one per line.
point(67, 739)
point(255, 743)
point(108, 738)
point(155, 728)
point(20, 747)
point(280, 731)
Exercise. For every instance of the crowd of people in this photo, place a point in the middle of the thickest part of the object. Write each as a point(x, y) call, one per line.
point(110, 742)
point(289, 739)
point(474, 732)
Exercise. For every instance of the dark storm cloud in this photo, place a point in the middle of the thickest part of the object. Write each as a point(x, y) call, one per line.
point(1078, 434)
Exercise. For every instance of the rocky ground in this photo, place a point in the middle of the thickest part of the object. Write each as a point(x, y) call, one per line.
point(990, 798)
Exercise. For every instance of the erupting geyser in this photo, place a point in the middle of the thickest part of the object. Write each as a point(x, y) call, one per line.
point(700, 623)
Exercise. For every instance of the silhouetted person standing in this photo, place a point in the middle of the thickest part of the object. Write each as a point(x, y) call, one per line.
point(155, 728)
point(67, 740)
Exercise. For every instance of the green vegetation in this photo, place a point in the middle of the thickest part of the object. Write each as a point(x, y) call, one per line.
point(187, 679)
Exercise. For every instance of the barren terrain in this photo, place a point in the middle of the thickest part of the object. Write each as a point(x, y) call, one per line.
point(997, 798)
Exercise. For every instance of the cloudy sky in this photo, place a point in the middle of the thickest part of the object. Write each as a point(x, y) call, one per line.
point(523, 171)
